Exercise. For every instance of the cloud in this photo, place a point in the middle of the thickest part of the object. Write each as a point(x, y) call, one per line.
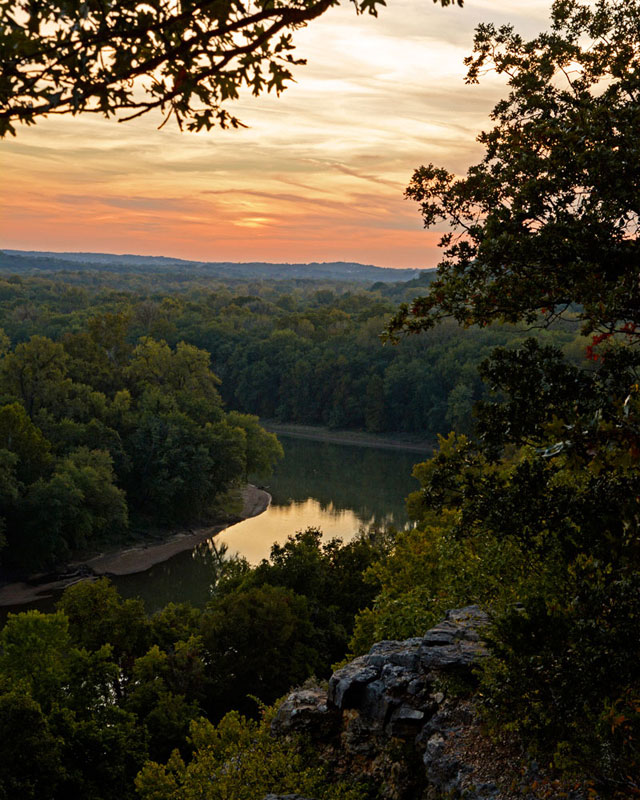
point(318, 175)
point(173, 204)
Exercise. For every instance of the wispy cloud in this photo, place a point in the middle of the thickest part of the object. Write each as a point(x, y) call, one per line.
point(318, 175)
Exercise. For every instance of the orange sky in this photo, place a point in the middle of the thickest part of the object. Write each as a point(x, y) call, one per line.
point(318, 176)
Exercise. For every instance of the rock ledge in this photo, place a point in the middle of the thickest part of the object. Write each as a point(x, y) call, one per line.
point(395, 693)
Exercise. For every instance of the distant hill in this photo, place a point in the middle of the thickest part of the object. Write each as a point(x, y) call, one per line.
point(30, 261)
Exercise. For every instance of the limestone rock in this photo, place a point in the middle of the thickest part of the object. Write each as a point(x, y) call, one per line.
point(395, 692)
point(397, 674)
point(455, 643)
point(444, 771)
point(405, 722)
point(304, 711)
point(346, 685)
point(401, 654)
point(389, 678)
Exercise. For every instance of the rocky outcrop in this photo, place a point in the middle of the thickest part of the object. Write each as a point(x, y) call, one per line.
point(307, 711)
point(400, 693)
point(403, 718)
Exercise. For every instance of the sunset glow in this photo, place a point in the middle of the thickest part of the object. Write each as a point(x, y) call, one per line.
point(318, 175)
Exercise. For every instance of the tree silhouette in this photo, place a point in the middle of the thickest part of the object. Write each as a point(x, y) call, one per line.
point(187, 58)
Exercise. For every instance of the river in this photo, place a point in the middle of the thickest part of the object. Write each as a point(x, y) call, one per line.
point(337, 488)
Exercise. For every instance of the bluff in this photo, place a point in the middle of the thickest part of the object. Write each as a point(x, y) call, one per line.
point(404, 716)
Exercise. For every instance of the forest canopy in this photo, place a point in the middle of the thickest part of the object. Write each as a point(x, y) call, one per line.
point(535, 515)
point(296, 351)
point(98, 434)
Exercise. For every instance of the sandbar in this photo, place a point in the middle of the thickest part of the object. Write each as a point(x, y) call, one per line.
point(133, 559)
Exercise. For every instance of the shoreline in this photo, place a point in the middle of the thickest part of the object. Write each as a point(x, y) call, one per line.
point(319, 433)
point(131, 560)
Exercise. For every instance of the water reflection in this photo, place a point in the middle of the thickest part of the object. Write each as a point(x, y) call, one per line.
point(371, 482)
point(253, 537)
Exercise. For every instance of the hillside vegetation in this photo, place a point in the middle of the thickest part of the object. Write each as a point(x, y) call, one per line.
point(293, 351)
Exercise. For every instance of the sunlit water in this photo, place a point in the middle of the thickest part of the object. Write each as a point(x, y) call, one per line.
point(340, 489)
point(253, 537)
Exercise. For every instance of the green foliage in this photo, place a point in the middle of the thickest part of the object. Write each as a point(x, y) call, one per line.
point(260, 638)
point(145, 438)
point(35, 372)
point(239, 758)
point(101, 753)
point(161, 681)
point(35, 653)
point(329, 576)
point(20, 436)
point(30, 758)
point(61, 733)
point(539, 515)
point(79, 502)
point(565, 675)
point(548, 543)
point(184, 375)
point(262, 449)
point(435, 566)
point(306, 361)
point(105, 688)
point(97, 615)
point(175, 622)
point(180, 468)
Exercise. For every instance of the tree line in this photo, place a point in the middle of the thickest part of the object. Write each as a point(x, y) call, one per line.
point(302, 352)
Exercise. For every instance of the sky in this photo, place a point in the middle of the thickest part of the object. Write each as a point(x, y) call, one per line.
point(319, 174)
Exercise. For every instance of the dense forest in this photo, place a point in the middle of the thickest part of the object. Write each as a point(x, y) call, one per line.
point(114, 421)
point(100, 435)
point(114, 425)
point(111, 405)
point(293, 351)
